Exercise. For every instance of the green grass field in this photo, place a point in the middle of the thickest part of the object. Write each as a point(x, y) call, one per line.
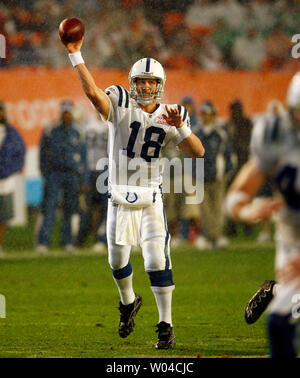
point(66, 306)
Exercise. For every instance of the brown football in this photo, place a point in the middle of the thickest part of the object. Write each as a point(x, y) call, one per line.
point(71, 30)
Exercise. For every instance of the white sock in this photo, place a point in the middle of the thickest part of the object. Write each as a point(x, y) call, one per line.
point(163, 298)
point(125, 289)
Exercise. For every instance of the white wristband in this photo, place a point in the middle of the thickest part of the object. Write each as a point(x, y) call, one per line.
point(184, 131)
point(76, 58)
point(234, 198)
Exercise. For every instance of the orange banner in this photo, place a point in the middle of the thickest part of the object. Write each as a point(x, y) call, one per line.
point(33, 94)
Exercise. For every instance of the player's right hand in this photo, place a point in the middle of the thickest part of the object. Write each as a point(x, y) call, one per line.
point(73, 47)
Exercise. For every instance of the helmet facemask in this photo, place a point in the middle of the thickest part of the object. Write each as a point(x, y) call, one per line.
point(136, 91)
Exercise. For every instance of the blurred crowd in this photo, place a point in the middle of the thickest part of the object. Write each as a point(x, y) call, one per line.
point(189, 34)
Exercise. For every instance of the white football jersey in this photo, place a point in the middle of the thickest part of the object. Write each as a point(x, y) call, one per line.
point(137, 140)
point(275, 148)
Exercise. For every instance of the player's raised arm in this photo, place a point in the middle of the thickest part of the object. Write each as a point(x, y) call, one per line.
point(96, 95)
point(190, 143)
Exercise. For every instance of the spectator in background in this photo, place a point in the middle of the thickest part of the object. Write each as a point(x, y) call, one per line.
point(181, 51)
point(218, 164)
point(223, 36)
point(49, 52)
point(248, 51)
point(64, 168)
point(275, 109)
point(210, 57)
point(185, 228)
point(12, 154)
point(233, 12)
point(174, 202)
point(240, 130)
point(263, 13)
point(202, 13)
point(26, 54)
point(152, 45)
point(189, 104)
point(278, 46)
point(94, 204)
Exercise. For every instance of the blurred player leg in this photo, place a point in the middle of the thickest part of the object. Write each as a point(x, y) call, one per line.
point(282, 320)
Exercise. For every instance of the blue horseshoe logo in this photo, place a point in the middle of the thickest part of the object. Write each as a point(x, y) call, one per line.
point(135, 197)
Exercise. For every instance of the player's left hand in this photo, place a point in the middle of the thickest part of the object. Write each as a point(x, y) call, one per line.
point(260, 210)
point(173, 118)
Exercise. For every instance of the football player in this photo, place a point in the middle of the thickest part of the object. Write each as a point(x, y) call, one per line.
point(275, 154)
point(139, 127)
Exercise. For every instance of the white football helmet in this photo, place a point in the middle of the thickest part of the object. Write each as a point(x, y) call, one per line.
point(293, 93)
point(151, 69)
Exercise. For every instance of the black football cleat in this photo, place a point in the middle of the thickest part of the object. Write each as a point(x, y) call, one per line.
point(259, 302)
point(166, 336)
point(127, 316)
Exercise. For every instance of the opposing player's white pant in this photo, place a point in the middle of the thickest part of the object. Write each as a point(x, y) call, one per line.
point(287, 296)
point(154, 239)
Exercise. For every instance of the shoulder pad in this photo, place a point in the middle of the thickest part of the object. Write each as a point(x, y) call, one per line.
point(119, 94)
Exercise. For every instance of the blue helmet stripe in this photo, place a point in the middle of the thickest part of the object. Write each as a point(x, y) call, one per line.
point(148, 65)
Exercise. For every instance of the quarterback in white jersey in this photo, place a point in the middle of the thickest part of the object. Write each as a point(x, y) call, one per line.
point(275, 154)
point(139, 128)
point(137, 134)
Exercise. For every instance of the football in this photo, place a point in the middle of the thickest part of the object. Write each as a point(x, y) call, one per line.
point(71, 30)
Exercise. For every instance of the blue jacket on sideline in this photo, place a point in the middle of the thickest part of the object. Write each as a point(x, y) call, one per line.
point(12, 153)
point(63, 149)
